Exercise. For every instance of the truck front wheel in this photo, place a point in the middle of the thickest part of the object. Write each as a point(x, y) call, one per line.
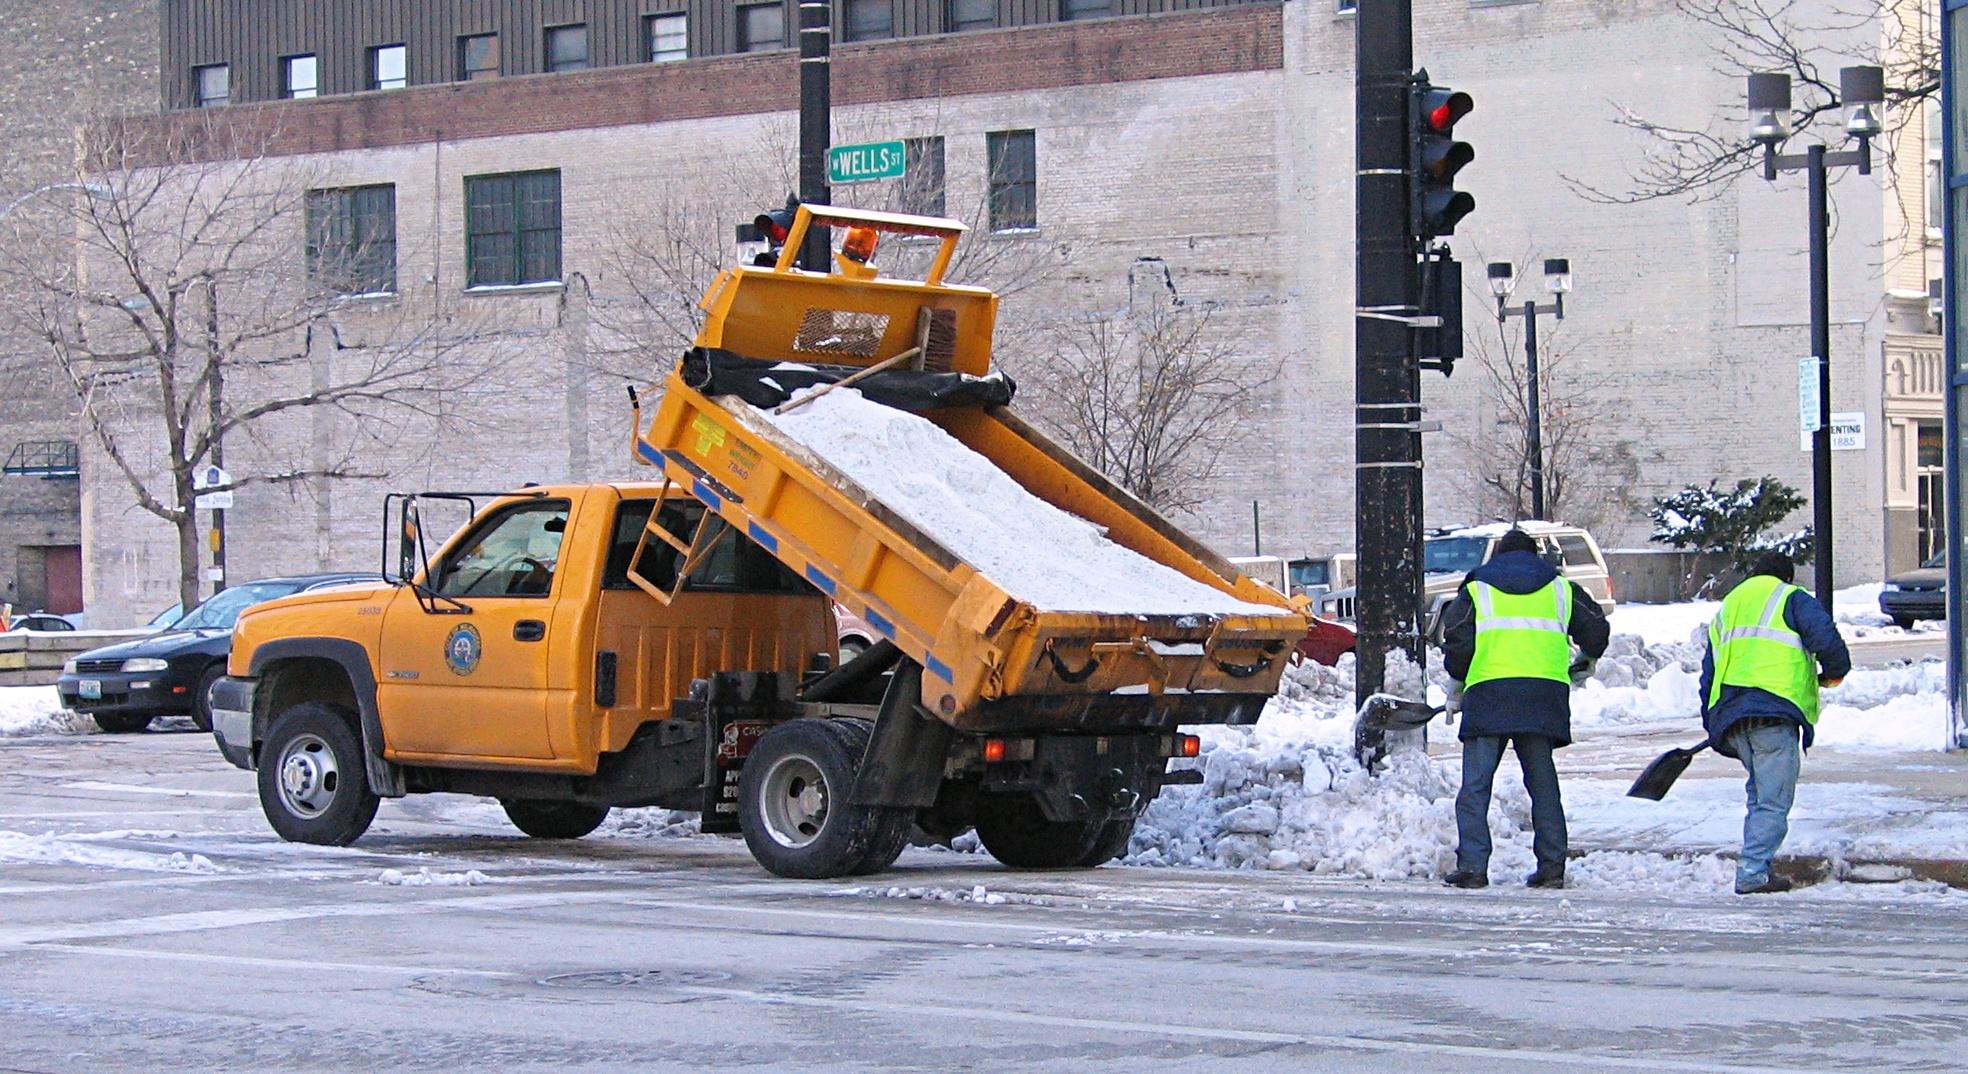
point(793, 807)
point(554, 820)
point(1017, 833)
point(312, 785)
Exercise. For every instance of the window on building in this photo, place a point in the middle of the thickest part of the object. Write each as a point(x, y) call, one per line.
point(971, 14)
point(1932, 518)
point(1071, 10)
point(512, 228)
point(567, 48)
point(478, 57)
point(669, 38)
point(1936, 180)
point(870, 20)
point(300, 77)
point(922, 176)
point(1348, 7)
point(761, 27)
point(388, 67)
point(211, 85)
point(1014, 163)
point(351, 239)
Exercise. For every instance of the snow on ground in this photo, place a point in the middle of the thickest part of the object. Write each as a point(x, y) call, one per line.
point(36, 710)
point(91, 849)
point(1856, 609)
point(1037, 552)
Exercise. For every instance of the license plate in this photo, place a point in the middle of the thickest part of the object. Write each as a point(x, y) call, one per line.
point(91, 689)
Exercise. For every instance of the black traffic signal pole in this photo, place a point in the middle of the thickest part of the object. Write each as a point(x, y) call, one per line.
point(1387, 382)
point(1814, 166)
point(816, 111)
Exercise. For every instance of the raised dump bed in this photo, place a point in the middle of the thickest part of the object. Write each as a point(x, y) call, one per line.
point(1035, 593)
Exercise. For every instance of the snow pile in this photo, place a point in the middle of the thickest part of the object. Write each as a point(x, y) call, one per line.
point(86, 849)
point(959, 499)
point(649, 823)
point(36, 710)
point(1621, 870)
point(1859, 606)
point(424, 878)
point(1665, 624)
point(1639, 683)
point(1906, 723)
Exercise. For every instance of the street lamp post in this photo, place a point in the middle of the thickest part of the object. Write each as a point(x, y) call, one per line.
point(1862, 90)
point(1558, 281)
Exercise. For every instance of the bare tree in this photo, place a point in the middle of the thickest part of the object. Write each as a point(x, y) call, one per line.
point(180, 290)
point(1807, 41)
point(1586, 469)
point(1151, 395)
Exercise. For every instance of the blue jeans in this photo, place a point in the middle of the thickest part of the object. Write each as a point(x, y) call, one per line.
point(1480, 757)
point(1771, 755)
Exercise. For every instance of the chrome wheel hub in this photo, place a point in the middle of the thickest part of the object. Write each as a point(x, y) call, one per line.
point(308, 777)
point(795, 799)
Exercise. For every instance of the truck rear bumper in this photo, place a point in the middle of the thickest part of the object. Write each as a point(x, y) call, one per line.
point(1094, 713)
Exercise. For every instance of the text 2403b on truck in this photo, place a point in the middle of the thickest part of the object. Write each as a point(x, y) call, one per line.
point(577, 648)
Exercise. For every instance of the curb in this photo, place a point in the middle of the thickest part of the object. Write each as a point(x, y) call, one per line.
point(1806, 869)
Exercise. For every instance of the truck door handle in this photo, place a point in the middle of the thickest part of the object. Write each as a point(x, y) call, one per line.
point(529, 630)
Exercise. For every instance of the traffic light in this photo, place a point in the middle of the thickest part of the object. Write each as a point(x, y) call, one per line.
point(1438, 346)
point(770, 228)
point(1434, 158)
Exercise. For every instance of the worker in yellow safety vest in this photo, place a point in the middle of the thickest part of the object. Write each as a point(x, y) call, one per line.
point(1769, 649)
point(1507, 639)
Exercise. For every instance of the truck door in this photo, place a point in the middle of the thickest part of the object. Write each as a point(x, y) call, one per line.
point(474, 685)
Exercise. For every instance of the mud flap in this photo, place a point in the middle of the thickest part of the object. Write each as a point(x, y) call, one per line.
point(739, 708)
point(903, 765)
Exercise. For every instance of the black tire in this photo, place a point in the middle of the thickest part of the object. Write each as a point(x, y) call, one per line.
point(889, 829)
point(121, 723)
point(553, 820)
point(201, 697)
point(1017, 833)
point(793, 808)
point(312, 785)
point(1904, 622)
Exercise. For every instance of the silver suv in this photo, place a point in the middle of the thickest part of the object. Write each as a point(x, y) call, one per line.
point(1450, 554)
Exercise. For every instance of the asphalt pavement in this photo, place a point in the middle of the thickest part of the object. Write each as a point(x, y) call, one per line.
point(168, 930)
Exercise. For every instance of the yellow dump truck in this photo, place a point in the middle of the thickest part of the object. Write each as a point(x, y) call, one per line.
point(832, 438)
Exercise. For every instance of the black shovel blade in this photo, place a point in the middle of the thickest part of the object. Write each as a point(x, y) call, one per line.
point(1659, 776)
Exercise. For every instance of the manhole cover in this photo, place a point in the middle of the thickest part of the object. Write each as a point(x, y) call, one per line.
point(634, 978)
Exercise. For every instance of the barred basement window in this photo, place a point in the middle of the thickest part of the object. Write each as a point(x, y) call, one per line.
point(351, 239)
point(478, 57)
point(512, 228)
point(922, 177)
point(1014, 163)
point(669, 38)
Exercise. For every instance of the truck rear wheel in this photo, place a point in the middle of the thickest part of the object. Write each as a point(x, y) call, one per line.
point(553, 820)
point(312, 785)
point(1017, 833)
point(793, 807)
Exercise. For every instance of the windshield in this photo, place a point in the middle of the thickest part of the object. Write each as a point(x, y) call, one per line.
point(222, 610)
point(1453, 554)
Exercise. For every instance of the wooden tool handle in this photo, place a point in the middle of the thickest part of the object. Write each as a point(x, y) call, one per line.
point(885, 363)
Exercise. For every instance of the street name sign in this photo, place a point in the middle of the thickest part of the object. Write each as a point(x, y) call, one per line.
point(865, 163)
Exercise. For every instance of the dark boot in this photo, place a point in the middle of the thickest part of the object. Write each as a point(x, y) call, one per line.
point(1547, 876)
point(1466, 878)
point(1771, 885)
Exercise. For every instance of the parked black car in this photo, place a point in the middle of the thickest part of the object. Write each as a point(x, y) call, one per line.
point(126, 685)
point(1920, 593)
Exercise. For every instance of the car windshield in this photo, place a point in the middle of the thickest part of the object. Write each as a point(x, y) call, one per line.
point(222, 610)
point(1453, 554)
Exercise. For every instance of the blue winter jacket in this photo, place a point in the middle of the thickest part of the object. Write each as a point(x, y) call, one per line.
point(1804, 614)
point(1517, 706)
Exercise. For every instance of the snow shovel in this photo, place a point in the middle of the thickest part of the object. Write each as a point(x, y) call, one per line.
point(1384, 713)
point(1653, 783)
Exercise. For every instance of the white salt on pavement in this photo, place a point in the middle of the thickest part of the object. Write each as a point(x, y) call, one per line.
point(1038, 553)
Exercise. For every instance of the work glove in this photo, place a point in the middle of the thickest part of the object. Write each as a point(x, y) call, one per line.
point(1581, 671)
point(1452, 702)
point(1827, 681)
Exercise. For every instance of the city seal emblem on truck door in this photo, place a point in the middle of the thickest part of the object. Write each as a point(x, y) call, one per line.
point(462, 649)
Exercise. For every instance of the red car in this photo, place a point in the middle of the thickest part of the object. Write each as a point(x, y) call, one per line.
point(1325, 642)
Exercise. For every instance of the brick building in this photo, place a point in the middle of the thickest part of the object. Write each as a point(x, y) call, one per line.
point(558, 169)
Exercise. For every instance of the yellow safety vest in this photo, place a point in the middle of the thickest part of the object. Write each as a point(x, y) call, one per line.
point(1753, 646)
point(1522, 636)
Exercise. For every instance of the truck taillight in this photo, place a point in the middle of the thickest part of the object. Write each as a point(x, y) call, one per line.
point(994, 750)
point(1188, 746)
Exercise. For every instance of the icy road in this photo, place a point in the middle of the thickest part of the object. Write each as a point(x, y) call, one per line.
point(153, 924)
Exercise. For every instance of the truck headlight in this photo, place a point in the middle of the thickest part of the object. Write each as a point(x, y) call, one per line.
point(146, 663)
